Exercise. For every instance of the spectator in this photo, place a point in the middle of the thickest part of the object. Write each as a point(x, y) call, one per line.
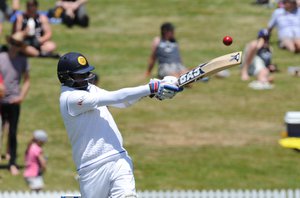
point(6, 11)
point(257, 61)
point(262, 1)
point(35, 162)
point(36, 30)
point(165, 49)
point(2, 93)
point(287, 21)
point(13, 67)
point(72, 12)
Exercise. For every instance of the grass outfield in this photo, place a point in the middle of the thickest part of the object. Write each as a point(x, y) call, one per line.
point(219, 134)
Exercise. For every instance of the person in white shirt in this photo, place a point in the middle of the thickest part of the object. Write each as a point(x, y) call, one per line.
point(103, 165)
point(287, 22)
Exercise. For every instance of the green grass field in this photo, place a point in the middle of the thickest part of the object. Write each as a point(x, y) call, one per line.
point(214, 136)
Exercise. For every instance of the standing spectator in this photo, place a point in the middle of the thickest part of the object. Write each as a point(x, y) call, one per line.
point(165, 49)
point(13, 67)
point(257, 61)
point(287, 21)
point(2, 93)
point(35, 162)
point(36, 30)
point(72, 12)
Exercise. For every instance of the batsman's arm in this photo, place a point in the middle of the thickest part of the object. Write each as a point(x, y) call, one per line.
point(128, 100)
point(82, 101)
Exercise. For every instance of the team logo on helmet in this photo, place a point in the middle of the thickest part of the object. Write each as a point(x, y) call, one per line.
point(81, 60)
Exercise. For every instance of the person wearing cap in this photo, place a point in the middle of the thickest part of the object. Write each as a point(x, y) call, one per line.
point(36, 31)
point(165, 50)
point(35, 162)
point(258, 61)
point(103, 164)
point(14, 68)
point(287, 22)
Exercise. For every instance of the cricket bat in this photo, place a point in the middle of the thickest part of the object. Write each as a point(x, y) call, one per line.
point(210, 68)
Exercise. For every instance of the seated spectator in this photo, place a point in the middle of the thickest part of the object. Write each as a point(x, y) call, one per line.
point(36, 31)
point(165, 49)
point(257, 61)
point(35, 162)
point(262, 1)
point(72, 12)
point(14, 68)
point(6, 12)
point(287, 21)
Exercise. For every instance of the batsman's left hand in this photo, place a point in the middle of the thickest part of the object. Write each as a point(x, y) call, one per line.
point(168, 88)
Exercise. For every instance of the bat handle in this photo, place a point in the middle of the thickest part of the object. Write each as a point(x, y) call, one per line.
point(173, 88)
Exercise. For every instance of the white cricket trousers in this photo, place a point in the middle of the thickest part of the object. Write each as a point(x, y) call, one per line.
point(113, 179)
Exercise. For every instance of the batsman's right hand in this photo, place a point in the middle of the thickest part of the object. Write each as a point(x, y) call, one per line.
point(166, 88)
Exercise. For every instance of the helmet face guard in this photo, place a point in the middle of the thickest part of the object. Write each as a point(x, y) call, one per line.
point(81, 81)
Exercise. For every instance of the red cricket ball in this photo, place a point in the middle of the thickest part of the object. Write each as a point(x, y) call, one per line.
point(227, 40)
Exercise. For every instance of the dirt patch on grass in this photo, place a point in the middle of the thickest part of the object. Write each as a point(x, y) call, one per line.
point(196, 134)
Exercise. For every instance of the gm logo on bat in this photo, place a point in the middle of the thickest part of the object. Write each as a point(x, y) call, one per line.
point(235, 57)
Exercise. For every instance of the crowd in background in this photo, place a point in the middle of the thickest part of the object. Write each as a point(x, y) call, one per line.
point(258, 53)
point(30, 36)
point(257, 60)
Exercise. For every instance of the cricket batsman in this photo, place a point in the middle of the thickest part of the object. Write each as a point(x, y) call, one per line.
point(103, 165)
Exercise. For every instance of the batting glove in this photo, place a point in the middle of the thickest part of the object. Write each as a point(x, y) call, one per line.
point(163, 89)
point(154, 86)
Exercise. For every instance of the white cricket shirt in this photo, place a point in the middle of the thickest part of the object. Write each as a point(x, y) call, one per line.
point(92, 131)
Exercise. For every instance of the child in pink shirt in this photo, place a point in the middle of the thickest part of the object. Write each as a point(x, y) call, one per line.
point(35, 162)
